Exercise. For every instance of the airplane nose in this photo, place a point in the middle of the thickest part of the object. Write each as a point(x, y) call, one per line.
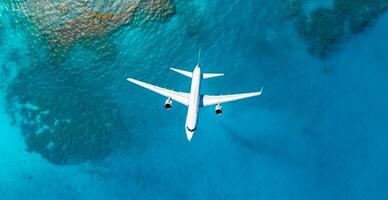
point(189, 135)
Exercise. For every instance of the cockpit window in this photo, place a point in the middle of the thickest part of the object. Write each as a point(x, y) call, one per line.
point(191, 130)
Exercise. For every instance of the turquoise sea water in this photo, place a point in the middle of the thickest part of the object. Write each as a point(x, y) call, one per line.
point(318, 132)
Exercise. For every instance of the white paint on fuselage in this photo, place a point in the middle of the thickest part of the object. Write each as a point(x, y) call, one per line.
point(193, 105)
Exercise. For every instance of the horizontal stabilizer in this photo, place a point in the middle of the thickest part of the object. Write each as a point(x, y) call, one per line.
point(183, 72)
point(210, 75)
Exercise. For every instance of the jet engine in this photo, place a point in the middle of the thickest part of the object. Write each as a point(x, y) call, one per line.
point(168, 104)
point(218, 109)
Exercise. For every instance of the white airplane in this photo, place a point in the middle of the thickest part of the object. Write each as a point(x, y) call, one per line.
point(194, 100)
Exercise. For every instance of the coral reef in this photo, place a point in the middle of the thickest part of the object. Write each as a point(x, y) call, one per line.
point(90, 24)
point(65, 22)
point(360, 13)
point(61, 115)
point(157, 9)
point(323, 31)
point(324, 27)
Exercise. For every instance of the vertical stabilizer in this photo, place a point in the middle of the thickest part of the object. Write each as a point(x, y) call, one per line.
point(199, 56)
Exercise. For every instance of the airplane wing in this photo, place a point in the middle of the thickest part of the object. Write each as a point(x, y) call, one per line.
point(209, 100)
point(180, 97)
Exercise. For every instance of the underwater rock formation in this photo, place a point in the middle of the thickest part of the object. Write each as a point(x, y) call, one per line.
point(90, 24)
point(157, 9)
point(65, 22)
point(360, 13)
point(324, 27)
point(323, 31)
point(61, 115)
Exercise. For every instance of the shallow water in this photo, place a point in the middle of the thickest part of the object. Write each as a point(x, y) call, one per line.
point(318, 132)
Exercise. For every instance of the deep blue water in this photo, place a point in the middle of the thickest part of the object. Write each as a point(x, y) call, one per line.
point(319, 131)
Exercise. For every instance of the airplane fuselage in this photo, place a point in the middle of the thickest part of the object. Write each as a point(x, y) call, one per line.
point(193, 104)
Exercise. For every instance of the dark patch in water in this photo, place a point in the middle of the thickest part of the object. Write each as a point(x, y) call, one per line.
point(1, 35)
point(275, 150)
point(192, 23)
point(5, 73)
point(14, 55)
point(323, 31)
point(65, 115)
point(324, 28)
point(360, 13)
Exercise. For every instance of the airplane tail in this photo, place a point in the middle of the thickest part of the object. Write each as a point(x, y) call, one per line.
point(199, 56)
point(190, 74)
point(206, 75)
point(183, 72)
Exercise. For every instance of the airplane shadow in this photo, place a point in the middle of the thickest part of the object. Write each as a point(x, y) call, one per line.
point(272, 148)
